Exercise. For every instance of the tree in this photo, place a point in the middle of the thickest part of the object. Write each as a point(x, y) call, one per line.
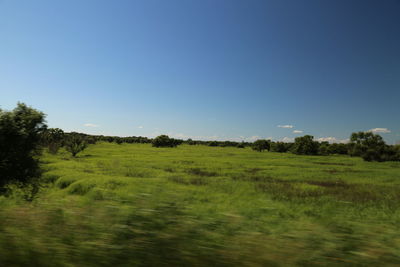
point(305, 145)
point(324, 149)
point(213, 143)
point(281, 147)
point(369, 146)
point(240, 145)
point(165, 141)
point(261, 145)
point(338, 149)
point(53, 139)
point(20, 136)
point(75, 144)
point(191, 142)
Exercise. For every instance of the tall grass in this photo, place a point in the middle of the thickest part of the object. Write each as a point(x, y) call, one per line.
point(129, 205)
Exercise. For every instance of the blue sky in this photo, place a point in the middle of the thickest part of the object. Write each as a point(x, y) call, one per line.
point(205, 69)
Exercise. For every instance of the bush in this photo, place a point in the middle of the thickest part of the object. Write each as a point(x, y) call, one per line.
point(213, 143)
point(280, 147)
point(53, 139)
point(305, 145)
point(240, 145)
point(75, 144)
point(323, 149)
point(338, 149)
point(165, 141)
point(369, 146)
point(20, 136)
point(261, 145)
point(191, 142)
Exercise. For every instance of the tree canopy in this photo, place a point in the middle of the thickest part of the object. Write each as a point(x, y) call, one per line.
point(20, 136)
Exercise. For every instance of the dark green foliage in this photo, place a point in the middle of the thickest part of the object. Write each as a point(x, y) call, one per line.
point(261, 145)
point(213, 143)
point(20, 132)
point(75, 144)
point(305, 145)
point(53, 138)
point(338, 149)
point(281, 147)
point(323, 149)
point(369, 146)
point(240, 145)
point(191, 142)
point(91, 140)
point(165, 141)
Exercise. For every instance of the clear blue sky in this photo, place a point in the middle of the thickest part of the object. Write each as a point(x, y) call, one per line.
point(205, 69)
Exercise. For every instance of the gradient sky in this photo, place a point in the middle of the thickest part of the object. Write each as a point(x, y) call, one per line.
point(206, 69)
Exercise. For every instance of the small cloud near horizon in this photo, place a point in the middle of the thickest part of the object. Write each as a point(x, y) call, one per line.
point(91, 125)
point(288, 126)
point(379, 130)
point(287, 139)
point(297, 131)
point(331, 139)
point(140, 127)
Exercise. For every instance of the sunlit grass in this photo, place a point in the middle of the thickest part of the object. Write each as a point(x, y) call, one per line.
point(196, 205)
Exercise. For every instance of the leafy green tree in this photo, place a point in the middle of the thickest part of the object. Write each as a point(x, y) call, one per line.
point(261, 145)
point(305, 145)
point(20, 136)
point(165, 141)
point(240, 145)
point(191, 142)
point(280, 147)
point(323, 149)
point(53, 138)
point(338, 149)
point(213, 143)
point(75, 144)
point(369, 146)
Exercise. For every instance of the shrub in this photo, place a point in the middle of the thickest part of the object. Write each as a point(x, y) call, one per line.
point(213, 143)
point(338, 149)
point(281, 147)
point(323, 149)
point(369, 146)
point(191, 142)
point(261, 145)
point(240, 145)
point(305, 145)
point(20, 132)
point(75, 144)
point(165, 141)
point(53, 139)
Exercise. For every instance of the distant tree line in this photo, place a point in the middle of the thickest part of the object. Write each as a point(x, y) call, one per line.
point(367, 145)
point(24, 134)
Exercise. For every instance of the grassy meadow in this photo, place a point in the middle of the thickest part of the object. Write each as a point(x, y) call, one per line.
point(132, 204)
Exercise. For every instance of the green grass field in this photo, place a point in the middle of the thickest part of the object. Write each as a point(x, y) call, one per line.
point(132, 204)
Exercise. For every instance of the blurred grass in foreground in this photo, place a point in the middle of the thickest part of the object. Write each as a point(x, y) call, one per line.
point(133, 204)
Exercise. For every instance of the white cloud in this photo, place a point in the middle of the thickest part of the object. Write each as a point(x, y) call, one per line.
point(297, 131)
point(379, 130)
point(140, 127)
point(91, 125)
point(331, 139)
point(287, 139)
point(252, 138)
point(286, 126)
